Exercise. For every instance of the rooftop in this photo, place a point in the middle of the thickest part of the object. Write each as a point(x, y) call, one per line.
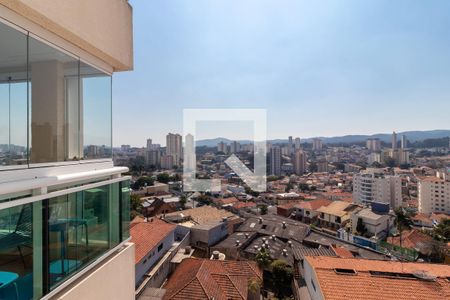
point(201, 215)
point(335, 208)
point(147, 235)
point(313, 204)
point(352, 278)
point(273, 225)
point(211, 279)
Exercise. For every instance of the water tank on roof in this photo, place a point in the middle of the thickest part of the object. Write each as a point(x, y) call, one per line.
point(380, 208)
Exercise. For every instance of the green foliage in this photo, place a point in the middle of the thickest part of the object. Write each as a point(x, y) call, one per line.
point(442, 231)
point(163, 178)
point(263, 258)
point(135, 206)
point(360, 227)
point(263, 209)
point(143, 181)
point(183, 200)
point(282, 275)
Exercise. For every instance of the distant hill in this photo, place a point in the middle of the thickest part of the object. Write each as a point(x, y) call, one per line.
point(412, 136)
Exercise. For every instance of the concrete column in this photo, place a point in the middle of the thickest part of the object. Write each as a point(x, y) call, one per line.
point(47, 112)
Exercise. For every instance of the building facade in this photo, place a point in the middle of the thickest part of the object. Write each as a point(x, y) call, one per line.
point(64, 207)
point(434, 193)
point(373, 185)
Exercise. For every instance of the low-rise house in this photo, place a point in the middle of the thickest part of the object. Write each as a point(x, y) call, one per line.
point(213, 279)
point(306, 211)
point(286, 209)
point(158, 206)
point(413, 239)
point(352, 278)
point(336, 214)
point(241, 206)
point(234, 244)
point(152, 239)
point(206, 235)
point(281, 227)
point(221, 202)
point(375, 223)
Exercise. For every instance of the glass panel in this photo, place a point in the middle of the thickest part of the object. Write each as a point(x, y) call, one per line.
point(78, 231)
point(13, 97)
point(95, 93)
point(125, 208)
point(16, 252)
point(54, 104)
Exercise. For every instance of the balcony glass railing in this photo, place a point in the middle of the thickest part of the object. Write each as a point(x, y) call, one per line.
point(44, 243)
point(53, 107)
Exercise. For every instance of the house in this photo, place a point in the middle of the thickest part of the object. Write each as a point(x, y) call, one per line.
point(241, 206)
point(286, 209)
point(221, 202)
point(353, 278)
point(413, 239)
point(152, 240)
point(213, 279)
point(157, 206)
point(336, 214)
point(206, 235)
point(306, 211)
point(204, 215)
point(376, 224)
point(281, 227)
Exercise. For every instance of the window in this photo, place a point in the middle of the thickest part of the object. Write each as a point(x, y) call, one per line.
point(160, 247)
point(46, 242)
point(53, 108)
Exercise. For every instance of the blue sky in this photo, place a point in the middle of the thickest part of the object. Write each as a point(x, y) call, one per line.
point(320, 68)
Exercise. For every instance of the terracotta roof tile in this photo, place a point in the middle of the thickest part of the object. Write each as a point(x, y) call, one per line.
point(365, 284)
point(147, 235)
point(207, 279)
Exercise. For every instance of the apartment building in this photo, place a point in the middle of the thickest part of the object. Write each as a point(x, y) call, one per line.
point(174, 147)
point(434, 193)
point(275, 161)
point(64, 207)
point(373, 185)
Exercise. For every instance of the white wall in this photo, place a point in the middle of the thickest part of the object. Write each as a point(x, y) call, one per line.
point(143, 267)
point(113, 279)
point(310, 276)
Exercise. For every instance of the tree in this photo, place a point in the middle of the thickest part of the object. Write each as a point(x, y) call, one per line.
point(282, 275)
point(135, 206)
point(402, 221)
point(163, 177)
point(313, 166)
point(183, 200)
point(360, 227)
point(143, 181)
point(263, 209)
point(263, 258)
point(254, 285)
point(441, 232)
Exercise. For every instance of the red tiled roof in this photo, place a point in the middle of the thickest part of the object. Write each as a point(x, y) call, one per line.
point(411, 239)
point(314, 204)
point(211, 279)
point(366, 284)
point(223, 201)
point(342, 252)
point(147, 235)
point(241, 204)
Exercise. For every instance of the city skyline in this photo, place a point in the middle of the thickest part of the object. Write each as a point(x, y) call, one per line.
point(320, 69)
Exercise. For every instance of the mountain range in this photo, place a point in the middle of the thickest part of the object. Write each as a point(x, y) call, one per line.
point(411, 136)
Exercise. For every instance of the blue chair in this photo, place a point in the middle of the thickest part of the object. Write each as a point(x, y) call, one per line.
point(22, 234)
point(8, 287)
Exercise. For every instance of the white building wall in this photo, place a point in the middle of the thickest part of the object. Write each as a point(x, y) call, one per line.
point(152, 257)
point(311, 282)
point(113, 279)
